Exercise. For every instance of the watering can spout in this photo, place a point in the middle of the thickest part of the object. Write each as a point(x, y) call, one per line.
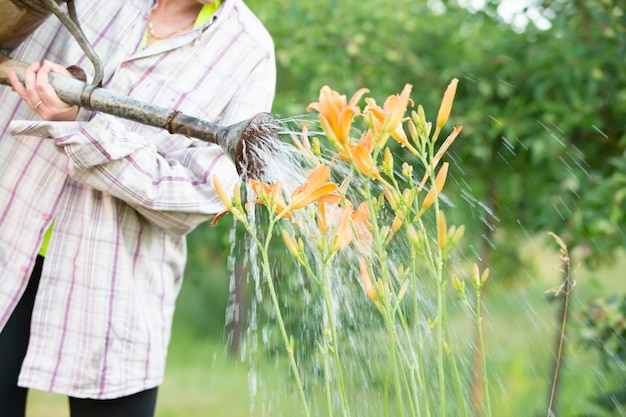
point(248, 143)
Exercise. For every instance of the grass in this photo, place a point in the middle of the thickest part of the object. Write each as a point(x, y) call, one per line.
point(202, 380)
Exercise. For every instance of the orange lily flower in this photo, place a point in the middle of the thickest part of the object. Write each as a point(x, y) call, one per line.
point(360, 220)
point(361, 214)
point(336, 113)
point(271, 195)
point(316, 188)
point(389, 118)
point(342, 236)
point(360, 155)
point(344, 225)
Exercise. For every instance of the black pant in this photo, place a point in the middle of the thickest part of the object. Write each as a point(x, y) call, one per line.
point(13, 343)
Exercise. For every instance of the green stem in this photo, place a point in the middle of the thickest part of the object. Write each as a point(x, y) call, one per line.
point(418, 338)
point(329, 400)
point(290, 352)
point(387, 307)
point(481, 340)
point(434, 267)
point(446, 327)
point(455, 368)
point(330, 312)
point(440, 350)
point(439, 278)
point(410, 382)
point(391, 334)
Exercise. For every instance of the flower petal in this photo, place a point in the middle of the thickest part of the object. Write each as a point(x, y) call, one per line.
point(310, 196)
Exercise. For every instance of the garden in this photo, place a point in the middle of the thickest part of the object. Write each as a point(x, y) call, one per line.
point(439, 232)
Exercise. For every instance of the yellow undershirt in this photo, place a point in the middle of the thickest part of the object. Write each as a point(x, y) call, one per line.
point(46, 239)
point(207, 11)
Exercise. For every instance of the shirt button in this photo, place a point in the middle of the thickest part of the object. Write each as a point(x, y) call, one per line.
point(24, 268)
point(124, 64)
point(45, 216)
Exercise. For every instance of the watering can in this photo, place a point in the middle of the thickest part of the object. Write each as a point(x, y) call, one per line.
point(242, 142)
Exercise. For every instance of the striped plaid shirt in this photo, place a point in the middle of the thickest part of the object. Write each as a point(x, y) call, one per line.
point(122, 195)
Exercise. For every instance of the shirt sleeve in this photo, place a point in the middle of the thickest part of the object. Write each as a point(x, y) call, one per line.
point(174, 190)
point(256, 94)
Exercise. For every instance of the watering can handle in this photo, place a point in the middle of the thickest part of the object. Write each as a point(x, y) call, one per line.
point(70, 21)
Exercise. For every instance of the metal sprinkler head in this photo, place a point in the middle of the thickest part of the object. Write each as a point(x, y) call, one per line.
point(248, 143)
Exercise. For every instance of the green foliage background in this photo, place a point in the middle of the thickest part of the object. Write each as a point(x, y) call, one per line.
point(544, 139)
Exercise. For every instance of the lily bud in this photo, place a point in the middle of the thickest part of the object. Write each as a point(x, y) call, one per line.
point(412, 235)
point(457, 235)
point(407, 196)
point(238, 214)
point(407, 170)
point(316, 148)
point(397, 223)
point(403, 290)
point(391, 196)
point(413, 131)
point(457, 284)
point(442, 237)
point(387, 167)
point(446, 103)
point(484, 276)
point(421, 115)
point(440, 181)
point(291, 243)
point(368, 285)
point(237, 195)
point(222, 193)
point(475, 276)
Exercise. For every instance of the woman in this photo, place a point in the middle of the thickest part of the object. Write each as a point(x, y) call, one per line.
point(108, 202)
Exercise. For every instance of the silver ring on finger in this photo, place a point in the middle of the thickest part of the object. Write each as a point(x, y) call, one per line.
point(39, 103)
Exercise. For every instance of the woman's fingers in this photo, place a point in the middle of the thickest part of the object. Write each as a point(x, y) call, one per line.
point(30, 76)
point(38, 93)
point(44, 90)
point(56, 109)
point(16, 84)
point(25, 89)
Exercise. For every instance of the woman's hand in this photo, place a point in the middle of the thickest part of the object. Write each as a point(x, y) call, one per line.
point(40, 96)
